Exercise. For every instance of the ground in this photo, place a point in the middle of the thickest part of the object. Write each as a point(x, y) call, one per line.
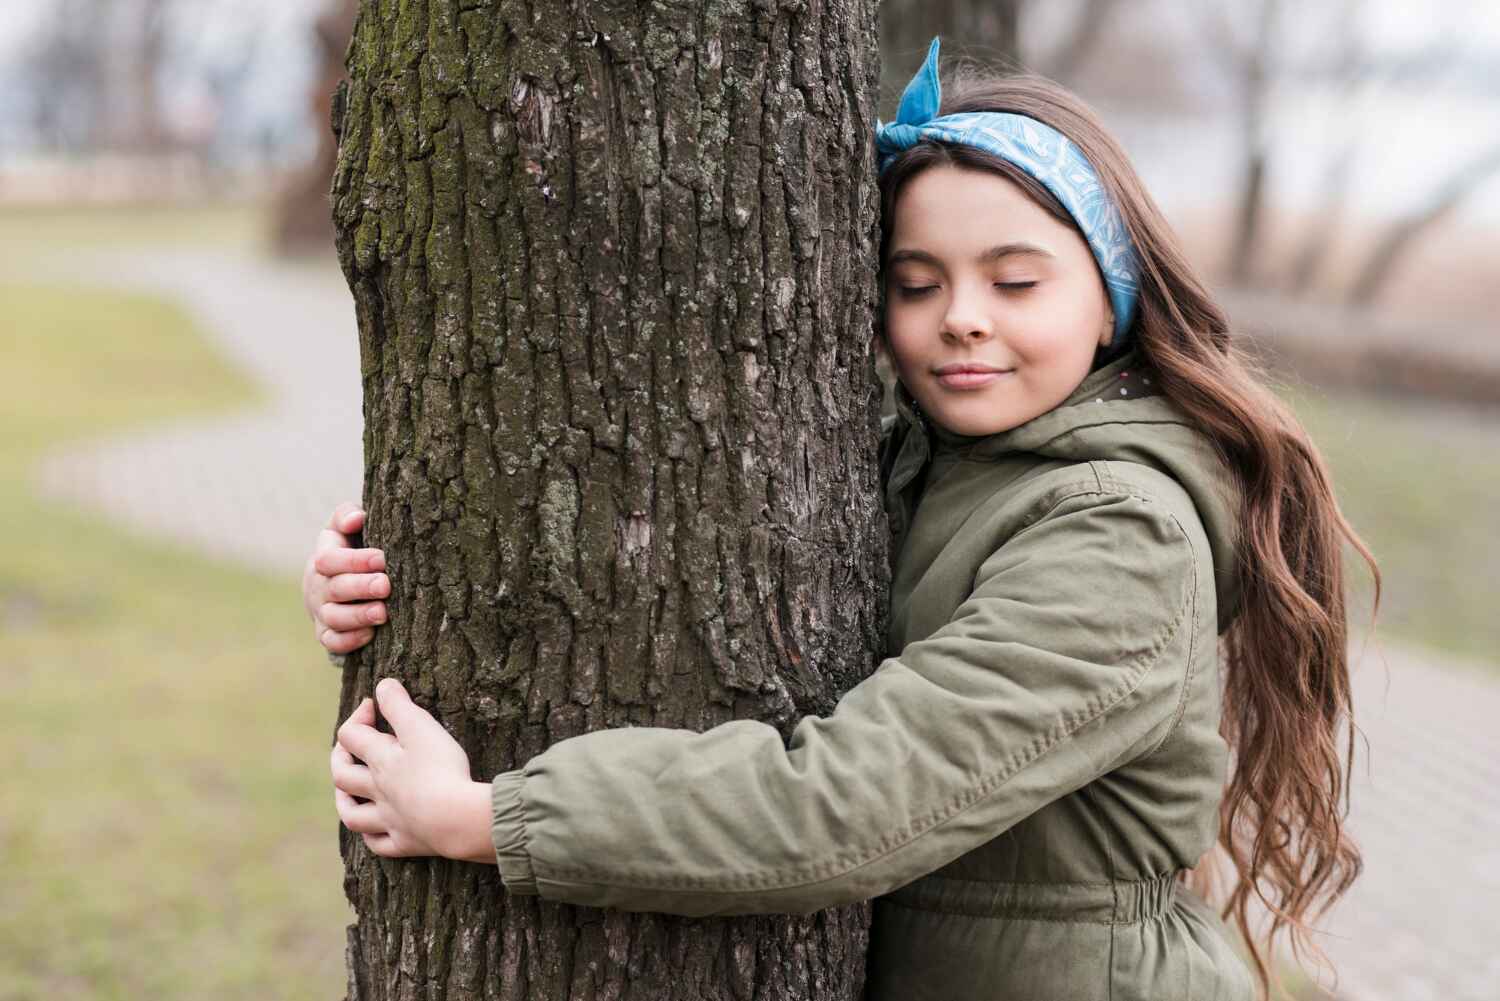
point(179, 416)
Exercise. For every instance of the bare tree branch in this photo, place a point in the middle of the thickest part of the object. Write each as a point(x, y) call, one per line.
point(1404, 235)
point(1063, 62)
point(1350, 70)
point(1255, 88)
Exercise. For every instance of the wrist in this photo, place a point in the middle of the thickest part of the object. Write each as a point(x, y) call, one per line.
point(468, 828)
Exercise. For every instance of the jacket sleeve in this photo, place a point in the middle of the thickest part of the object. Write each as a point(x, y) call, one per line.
point(1066, 660)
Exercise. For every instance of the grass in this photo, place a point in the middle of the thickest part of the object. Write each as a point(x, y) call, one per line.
point(26, 231)
point(165, 819)
point(1421, 483)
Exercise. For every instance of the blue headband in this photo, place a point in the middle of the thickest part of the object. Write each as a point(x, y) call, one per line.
point(1042, 152)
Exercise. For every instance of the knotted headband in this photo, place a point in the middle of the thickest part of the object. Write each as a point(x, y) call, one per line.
point(1041, 151)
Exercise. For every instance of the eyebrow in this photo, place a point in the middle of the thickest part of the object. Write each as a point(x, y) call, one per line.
point(994, 253)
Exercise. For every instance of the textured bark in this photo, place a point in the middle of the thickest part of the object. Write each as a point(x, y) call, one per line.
point(613, 265)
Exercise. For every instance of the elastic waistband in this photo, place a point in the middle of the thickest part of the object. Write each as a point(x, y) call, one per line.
point(1110, 902)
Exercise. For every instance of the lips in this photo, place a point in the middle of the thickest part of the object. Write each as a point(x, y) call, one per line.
point(968, 366)
point(969, 376)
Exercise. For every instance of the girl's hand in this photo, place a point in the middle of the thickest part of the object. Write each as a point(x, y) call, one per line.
point(420, 799)
point(339, 581)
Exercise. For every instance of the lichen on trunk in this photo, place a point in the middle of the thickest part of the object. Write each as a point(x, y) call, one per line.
point(613, 266)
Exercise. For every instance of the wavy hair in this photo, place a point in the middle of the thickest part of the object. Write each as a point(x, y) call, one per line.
point(1287, 715)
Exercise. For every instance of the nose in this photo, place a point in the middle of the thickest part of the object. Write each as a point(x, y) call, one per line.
point(967, 317)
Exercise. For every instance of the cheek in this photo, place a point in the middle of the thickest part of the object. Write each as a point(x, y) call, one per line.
point(1065, 324)
point(902, 338)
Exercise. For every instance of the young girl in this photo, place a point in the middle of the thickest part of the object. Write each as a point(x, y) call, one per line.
point(1089, 496)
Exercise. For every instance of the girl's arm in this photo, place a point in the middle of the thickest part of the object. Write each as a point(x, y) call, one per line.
point(1066, 661)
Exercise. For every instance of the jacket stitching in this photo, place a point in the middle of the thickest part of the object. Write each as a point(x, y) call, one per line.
point(1039, 917)
point(1114, 893)
point(1190, 671)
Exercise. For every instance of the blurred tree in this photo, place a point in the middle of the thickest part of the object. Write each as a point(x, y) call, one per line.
point(66, 68)
point(613, 272)
point(1248, 45)
point(990, 29)
point(137, 126)
point(1398, 240)
point(1249, 40)
point(994, 31)
point(1347, 71)
point(111, 76)
point(302, 214)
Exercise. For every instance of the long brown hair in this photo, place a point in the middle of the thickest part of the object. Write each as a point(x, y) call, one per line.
point(1287, 706)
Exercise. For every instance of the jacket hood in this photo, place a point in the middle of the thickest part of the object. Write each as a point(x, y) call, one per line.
point(1118, 414)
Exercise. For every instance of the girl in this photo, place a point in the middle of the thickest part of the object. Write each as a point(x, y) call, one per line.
point(1089, 497)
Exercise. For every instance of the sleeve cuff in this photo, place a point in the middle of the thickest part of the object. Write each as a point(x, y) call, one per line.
point(508, 832)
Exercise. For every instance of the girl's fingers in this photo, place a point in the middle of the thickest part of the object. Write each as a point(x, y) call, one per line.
point(407, 718)
point(361, 818)
point(349, 776)
point(364, 712)
point(328, 540)
point(336, 642)
point(358, 586)
point(349, 617)
point(360, 738)
point(329, 562)
point(347, 517)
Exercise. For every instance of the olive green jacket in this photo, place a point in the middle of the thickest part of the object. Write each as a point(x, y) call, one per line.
point(1023, 778)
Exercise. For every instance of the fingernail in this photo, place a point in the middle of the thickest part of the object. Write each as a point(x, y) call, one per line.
point(377, 615)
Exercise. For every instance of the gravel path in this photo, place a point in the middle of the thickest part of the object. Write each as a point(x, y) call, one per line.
point(1423, 924)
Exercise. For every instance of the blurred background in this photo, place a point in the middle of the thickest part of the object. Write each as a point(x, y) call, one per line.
point(179, 412)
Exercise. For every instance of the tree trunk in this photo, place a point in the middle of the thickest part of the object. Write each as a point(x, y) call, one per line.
point(300, 215)
point(987, 30)
point(1255, 96)
point(613, 266)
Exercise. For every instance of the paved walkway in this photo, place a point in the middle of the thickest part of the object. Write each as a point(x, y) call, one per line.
point(253, 487)
point(1422, 925)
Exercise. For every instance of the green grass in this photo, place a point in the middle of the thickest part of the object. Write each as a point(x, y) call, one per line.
point(1421, 483)
point(29, 231)
point(165, 819)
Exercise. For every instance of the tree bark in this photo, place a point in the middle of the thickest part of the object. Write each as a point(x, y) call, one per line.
point(613, 266)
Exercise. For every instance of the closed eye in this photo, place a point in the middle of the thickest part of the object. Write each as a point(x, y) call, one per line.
point(915, 291)
point(1016, 285)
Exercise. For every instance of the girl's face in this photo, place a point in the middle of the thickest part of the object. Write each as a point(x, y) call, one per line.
point(994, 308)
